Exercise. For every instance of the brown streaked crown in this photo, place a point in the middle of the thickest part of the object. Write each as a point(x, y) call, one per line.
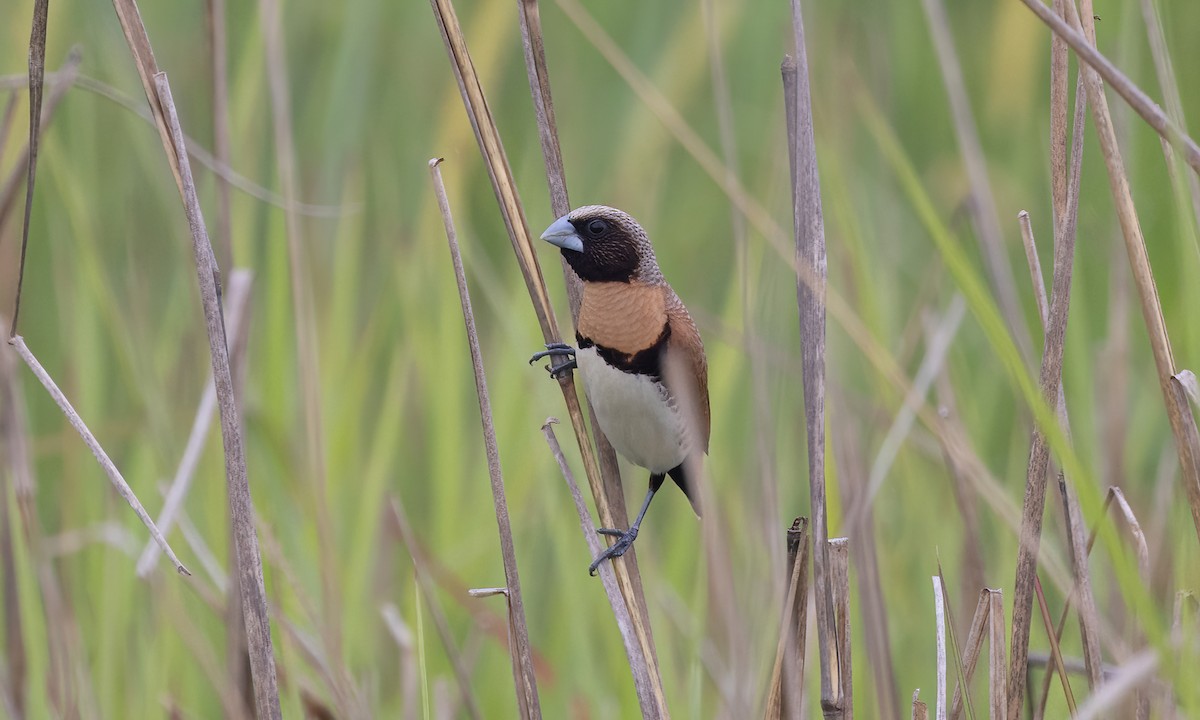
point(615, 247)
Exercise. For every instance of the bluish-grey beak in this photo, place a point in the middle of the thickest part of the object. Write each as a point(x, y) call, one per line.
point(562, 233)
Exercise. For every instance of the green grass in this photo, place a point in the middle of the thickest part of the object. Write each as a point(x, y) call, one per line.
point(111, 309)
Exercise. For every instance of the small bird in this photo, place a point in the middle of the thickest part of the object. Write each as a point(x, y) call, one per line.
point(639, 354)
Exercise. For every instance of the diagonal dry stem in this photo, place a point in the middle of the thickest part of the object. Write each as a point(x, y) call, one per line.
point(543, 104)
point(110, 469)
point(241, 506)
point(526, 680)
point(1085, 47)
point(638, 664)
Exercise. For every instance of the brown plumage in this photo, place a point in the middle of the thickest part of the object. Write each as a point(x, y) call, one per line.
point(639, 352)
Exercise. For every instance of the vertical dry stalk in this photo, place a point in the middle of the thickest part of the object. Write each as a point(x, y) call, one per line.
point(1039, 455)
point(809, 227)
point(523, 675)
point(241, 506)
point(920, 711)
point(1065, 203)
point(785, 697)
point(997, 683)
point(610, 471)
point(638, 663)
point(982, 205)
point(839, 588)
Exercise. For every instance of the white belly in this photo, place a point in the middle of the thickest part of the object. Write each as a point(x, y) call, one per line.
point(634, 414)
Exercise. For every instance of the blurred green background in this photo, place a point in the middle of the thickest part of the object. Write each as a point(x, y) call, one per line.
point(112, 311)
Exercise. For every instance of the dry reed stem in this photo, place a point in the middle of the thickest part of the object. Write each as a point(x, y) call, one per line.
point(839, 582)
point(971, 651)
point(956, 442)
point(114, 475)
point(1141, 103)
point(543, 104)
point(1066, 173)
point(523, 674)
point(37, 72)
point(241, 506)
point(638, 664)
point(809, 228)
point(997, 683)
point(1050, 383)
point(1183, 423)
point(981, 204)
point(237, 302)
point(939, 614)
point(1055, 651)
point(512, 211)
point(785, 698)
point(920, 711)
point(424, 581)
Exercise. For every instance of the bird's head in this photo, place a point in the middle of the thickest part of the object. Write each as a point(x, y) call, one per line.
point(603, 244)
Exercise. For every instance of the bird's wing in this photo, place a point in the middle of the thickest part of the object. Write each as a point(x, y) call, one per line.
point(686, 369)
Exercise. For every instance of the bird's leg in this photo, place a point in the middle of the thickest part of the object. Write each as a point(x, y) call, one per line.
point(555, 350)
point(625, 539)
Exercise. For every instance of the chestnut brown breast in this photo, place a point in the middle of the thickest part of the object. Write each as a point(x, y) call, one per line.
point(626, 317)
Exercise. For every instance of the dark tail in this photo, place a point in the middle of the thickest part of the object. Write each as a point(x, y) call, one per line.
point(684, 481)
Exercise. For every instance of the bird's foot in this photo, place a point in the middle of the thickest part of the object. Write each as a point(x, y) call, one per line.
point(552, 351)
point(624, 542)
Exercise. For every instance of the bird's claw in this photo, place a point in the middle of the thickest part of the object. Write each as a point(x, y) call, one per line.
point(620, 547)
point(554, 350)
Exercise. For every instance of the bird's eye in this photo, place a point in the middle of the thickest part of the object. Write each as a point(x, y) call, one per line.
point(596, 228)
